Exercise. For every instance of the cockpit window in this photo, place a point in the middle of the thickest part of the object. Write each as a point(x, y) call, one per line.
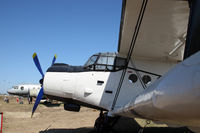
point(105, 63)
point(91, 61)
point(15, 87)
point(102, 60)
point(120, 63)
point(110, 60)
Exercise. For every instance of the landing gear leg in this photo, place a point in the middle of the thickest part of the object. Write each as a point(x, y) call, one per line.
point(105, 123)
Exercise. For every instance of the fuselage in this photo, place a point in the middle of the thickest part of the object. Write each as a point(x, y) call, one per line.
point(25, 90)
point(96, 83)
point(142, 92)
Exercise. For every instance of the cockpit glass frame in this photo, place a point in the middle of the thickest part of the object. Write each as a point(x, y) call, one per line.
point(15, 87)
point(91, 60)
point(105, 62)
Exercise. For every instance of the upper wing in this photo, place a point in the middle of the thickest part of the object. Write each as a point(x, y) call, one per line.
point(173, 98)
point(162, 32)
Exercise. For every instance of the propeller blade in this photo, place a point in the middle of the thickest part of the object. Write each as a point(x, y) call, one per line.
point(54, 59)
point(37, 63)
point(39, 97)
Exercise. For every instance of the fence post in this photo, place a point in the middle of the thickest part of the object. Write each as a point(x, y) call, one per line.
point(1, 121)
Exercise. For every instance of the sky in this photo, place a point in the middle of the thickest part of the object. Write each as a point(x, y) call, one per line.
point(72, 29)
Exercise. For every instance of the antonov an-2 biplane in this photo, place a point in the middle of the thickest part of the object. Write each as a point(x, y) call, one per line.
point(155, 74)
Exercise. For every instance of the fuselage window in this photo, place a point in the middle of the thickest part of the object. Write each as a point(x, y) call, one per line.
point(22, 88)
point(133, 78)
point(146, 79)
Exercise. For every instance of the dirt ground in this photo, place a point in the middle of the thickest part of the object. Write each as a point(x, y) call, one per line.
point(54, 119)
point(17, 118)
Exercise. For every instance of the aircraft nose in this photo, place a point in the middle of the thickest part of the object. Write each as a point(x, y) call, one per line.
point(10, 91)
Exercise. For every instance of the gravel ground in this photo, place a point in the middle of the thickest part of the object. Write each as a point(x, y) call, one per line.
point(54, 119)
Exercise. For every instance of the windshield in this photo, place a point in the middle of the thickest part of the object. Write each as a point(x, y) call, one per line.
point(15, 87)
point(105, 62)
point(91, 61)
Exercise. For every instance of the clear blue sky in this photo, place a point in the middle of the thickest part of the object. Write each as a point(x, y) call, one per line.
point(72, 29)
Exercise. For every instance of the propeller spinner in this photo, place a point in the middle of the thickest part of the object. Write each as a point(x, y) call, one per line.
point(41, 93)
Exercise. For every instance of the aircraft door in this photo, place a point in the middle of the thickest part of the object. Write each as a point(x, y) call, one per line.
point(109, 89)
point(97, 88)
point(85, 85)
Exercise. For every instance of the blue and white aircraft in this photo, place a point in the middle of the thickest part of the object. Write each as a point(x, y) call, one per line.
point(154, 75)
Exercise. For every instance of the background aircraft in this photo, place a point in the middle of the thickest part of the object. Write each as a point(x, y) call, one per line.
point(25, 90)
point(153, 76)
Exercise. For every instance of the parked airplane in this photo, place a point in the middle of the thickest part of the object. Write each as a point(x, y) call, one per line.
point(154, 75)
point(25, 90)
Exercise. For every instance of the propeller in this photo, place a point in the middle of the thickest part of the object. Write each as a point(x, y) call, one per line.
point(54, 59)
point(39, 97)
point(37, 63)
point(41, 92)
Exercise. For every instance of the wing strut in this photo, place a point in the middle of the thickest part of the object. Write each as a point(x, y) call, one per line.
point(133, 41)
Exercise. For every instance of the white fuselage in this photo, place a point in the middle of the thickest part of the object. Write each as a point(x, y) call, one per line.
point(172, 98)
point(31, 90)
point(98, 88)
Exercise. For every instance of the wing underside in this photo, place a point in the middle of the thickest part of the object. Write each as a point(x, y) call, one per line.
point(173, 98)
point(162, 32)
